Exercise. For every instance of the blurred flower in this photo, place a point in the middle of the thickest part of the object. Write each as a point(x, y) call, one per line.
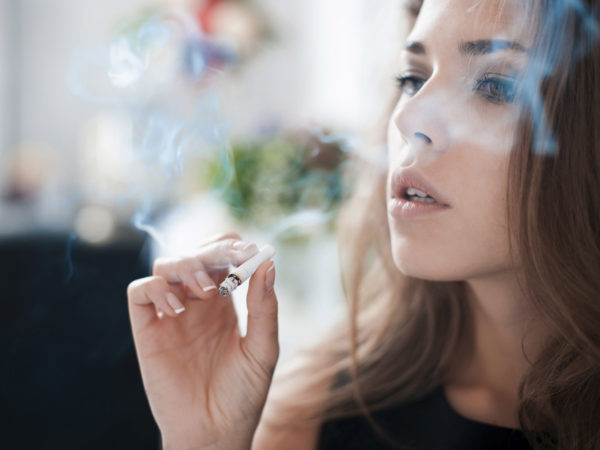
point(235, 21)
point(275, 178)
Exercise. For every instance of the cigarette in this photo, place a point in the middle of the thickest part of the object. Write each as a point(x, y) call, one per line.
point(246, 270)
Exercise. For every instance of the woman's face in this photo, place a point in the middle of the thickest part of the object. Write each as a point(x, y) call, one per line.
point(453, 127)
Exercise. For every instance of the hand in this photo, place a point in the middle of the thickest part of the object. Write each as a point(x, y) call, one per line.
point(206, 385)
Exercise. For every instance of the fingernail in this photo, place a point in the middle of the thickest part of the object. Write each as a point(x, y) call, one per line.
point(204, 281)
point(240, 245)
point(160, 314)
point(175, 303)
point(270, 277)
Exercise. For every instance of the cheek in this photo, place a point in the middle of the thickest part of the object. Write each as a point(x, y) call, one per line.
point(488, 129)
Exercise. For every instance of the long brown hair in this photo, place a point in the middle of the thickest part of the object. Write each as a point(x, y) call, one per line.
point(403, 333)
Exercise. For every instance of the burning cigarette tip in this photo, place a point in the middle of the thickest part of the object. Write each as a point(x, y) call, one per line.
point(245, 271)
point(228, 286)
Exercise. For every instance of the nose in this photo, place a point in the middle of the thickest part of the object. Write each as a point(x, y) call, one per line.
point(420, 122)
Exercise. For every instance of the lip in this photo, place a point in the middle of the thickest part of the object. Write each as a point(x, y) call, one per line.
point(405, 178)
point(401, 208)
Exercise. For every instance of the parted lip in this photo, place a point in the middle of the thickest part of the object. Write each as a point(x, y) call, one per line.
point(403, 179)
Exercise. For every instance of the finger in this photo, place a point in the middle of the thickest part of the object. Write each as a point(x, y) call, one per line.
point(190, 271)
point(243, 251)
point(198, 271)
point(158, 291)
point(206, 283)
point(222, 236)
point(190, 277)
point(148, 295)
point(222, 254)
point(262, 339)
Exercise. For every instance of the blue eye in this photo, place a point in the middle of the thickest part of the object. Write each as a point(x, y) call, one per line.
point(496, 88)
point(409, 84)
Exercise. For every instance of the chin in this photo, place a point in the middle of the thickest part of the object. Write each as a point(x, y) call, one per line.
point(445, 266)
point(430, 265)
point(429, 273)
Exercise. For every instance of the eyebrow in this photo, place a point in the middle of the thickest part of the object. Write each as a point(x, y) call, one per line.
point(473, 48)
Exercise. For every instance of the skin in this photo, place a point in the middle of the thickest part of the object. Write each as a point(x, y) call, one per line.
point(472, 131)
point(206, 385)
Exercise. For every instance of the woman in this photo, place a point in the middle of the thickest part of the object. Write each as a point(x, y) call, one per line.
point(477, 323)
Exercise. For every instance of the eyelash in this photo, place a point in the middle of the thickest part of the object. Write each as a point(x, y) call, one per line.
point(496, 88)
point(494, 83)
point(402, 82)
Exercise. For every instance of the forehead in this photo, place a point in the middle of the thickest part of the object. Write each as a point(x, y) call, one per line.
point(448, 20)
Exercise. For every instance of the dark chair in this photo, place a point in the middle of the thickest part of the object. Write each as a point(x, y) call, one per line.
point(69, 377)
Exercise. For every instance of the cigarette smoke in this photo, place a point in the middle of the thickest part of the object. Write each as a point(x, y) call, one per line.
point(163, 78)
point(158, 79)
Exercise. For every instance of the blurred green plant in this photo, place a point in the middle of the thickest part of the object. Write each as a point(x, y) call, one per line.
point(265, 181)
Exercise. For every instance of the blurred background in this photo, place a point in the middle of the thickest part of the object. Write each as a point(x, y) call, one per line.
point(131, 129)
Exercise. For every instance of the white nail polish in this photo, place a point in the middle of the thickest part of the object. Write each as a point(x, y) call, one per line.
point(160, 314)
point(202, 279)
point(239, 244)
point(174, 303)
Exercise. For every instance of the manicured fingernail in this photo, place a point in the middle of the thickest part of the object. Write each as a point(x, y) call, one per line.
point(240, 245)
point(204, 281)
point(175, 303)
point(270, 278)
point(160, 314)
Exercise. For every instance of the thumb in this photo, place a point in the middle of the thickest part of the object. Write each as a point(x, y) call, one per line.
point(262, 340)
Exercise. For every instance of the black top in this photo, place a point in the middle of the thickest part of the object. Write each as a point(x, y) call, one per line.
point(427, 424)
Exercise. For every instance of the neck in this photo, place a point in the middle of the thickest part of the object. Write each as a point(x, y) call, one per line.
point(505, 335)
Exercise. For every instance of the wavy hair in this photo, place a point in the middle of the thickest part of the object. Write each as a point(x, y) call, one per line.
point(403, 333)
